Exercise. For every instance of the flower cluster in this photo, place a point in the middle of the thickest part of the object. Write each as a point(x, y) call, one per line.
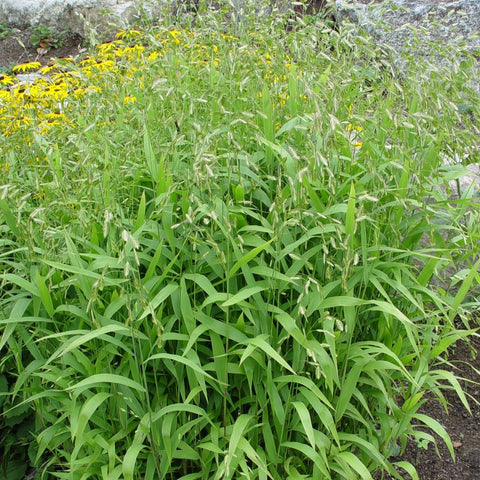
point(48, 96)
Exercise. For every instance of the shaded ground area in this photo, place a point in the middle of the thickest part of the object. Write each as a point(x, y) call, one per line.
point(17, 48)
point(463, 428)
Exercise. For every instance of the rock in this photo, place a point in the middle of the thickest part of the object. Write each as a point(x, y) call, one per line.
point(468, 179)
point(389, 21)
point(417, 29)
point(76, 16)
point(439, 21)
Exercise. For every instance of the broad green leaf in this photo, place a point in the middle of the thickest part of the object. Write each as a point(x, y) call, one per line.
point(86, 413)
point(153, 263)
point(252, 454)
point(248, 256)
point(150, 158)
point(309, 453)
point(364, 445)
point(306, 421)
point(438, 429)
point(9, 218)
point(242, 295)
point(18, 310)
point(269, 351)
point(350, 215)
point(408, 467)
point(22, 283)
point(355, 463)
point(174, 407)
point(307, 383)
point(463, 290)
point(237, 434)
point(85, 273)
point(321, 413)
point(288, 323)
point(203, 282)
point(87, 337)
point(341, 301)
point(186, 361)
point(129, 461)
point(453, 380)
point(159, 298)
point(140, 214)
point(100, 378)
point(347, 389)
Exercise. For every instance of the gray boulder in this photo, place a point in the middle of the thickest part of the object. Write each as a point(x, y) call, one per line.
point(421, 29)
point(77, 16)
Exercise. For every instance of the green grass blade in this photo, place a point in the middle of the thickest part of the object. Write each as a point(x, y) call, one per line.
point(9, 218)
point(463, 290)
point(306, 421)
point(101, 378)
point(248, 256)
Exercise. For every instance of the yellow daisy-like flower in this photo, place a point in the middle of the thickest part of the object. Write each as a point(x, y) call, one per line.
point(56, 117)
point(352, 127)
point(129, 99)
point(27, 67)
point(175, 34)
point(153, 56)
point(6, 80)
point(5, 96)
point(122, 34)
point(48, 69)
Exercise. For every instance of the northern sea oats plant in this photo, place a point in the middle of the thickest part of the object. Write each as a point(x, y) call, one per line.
point(213, 259)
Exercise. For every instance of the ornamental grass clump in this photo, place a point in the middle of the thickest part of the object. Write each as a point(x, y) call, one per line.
point(220, 260)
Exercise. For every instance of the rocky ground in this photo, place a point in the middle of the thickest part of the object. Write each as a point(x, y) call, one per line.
point(463, 427)
point(16, 48)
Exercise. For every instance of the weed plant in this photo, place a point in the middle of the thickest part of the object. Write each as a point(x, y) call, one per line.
point(43, 38)
point(5, 30)
point(219, 253)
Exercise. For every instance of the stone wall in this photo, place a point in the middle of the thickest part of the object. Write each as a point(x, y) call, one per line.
point(75, 15)
point(442, 20)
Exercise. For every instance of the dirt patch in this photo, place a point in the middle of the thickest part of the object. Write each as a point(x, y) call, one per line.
point(17, 48)
point(463, 427)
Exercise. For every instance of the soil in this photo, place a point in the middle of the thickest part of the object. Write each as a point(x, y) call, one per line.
point(17, 48)
point(463, 427)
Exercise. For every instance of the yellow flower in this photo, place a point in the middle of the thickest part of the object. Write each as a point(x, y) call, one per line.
point(153, 56)
point(5, 96)
point(175, 34)
point(351, 127)
point(122, 34)
point(48, 69)
point(26, 67)
point(129, 99)
point(6, 80)
point(40, 195)
point(56, 117)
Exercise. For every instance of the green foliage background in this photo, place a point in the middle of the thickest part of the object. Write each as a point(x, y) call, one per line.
point(222, 258)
